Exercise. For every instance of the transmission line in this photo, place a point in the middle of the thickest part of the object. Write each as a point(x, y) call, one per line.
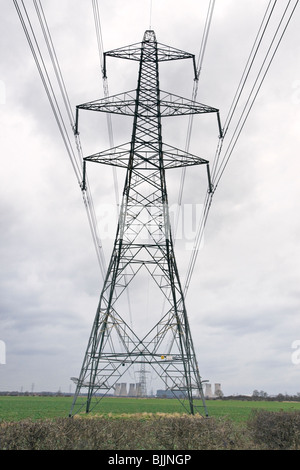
point(58, 114)
point(97, 21)
point(98, 29)
point(261, 75)
point(194, 97)
point(221, 158)
point(48, 40)
point(218, 172)
point(208, 197)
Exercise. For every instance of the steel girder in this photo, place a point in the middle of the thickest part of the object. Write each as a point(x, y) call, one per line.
point(143, 245)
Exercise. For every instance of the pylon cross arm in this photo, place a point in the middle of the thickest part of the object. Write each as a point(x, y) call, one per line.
point(172, 157)
point(164, 53)
point(169, 105)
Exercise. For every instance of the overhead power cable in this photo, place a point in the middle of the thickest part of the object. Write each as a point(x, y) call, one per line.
point(194, 98)
point(253, 54)
point(53, 56)
point(257, 84)
point(209, 196)
point(98, 29)
point(199, 65)
point(221, 157)
point(51, 93)
point(219, 167)
point(44, 75)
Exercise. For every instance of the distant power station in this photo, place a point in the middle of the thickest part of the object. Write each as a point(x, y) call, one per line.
point(217, 393)
point(135, 390)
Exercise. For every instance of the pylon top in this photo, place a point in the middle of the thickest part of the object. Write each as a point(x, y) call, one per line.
point(149, 35)
point(134, 52)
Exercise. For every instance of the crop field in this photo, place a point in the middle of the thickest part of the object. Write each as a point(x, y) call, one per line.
point(16, 408)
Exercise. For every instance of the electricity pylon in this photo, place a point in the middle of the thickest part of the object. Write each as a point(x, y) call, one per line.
point(143, 244)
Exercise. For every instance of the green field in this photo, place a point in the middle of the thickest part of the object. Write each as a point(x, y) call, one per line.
point(39, 407)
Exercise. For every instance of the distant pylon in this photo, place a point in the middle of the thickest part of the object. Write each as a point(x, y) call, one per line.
point(143, 244)
point(142, 389)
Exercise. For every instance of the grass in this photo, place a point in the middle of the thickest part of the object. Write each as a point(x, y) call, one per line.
point(37, 407)
point(22, 407)
point(239, 411)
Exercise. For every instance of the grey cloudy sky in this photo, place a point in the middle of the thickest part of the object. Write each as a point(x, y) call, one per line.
point(243, 300)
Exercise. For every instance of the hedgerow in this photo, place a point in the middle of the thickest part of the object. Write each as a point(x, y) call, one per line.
point(264, 430)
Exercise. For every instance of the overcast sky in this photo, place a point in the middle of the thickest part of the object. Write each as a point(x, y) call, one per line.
point(244, 298)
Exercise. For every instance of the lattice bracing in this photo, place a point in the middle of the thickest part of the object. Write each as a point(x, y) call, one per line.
point(143, 246)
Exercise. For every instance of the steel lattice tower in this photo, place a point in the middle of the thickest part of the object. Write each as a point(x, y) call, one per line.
point(143, 243)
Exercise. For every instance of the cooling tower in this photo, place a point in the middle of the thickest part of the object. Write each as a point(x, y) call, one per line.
point(117, 390)
point(138, 389)
point(218, 390)
point(208, 392)
point(132, 390)
point(123, 391)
